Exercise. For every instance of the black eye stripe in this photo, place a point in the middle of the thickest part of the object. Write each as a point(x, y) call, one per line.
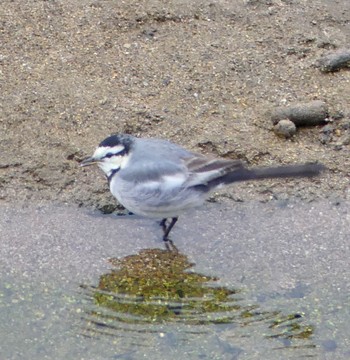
point(120, 153)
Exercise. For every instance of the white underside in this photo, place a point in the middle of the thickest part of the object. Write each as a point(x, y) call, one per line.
point(157, 199)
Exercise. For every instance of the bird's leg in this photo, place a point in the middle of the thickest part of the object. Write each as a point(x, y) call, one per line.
point(163, 225)
point(168, 229)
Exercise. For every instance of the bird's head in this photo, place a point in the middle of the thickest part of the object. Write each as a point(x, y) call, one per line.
point(112, 154)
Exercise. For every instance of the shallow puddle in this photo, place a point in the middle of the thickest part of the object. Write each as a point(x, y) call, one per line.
point(249, 281)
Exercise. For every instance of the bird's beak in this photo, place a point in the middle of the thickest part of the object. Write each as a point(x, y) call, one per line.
point(89, 161)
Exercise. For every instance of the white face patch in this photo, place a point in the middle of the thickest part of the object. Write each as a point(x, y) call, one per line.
point(102, 151)
point(114, 163)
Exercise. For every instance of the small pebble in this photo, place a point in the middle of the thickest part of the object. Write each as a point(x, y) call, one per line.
point(334, 61)
point(327, 129)
point(285, 128)
point(326, 135)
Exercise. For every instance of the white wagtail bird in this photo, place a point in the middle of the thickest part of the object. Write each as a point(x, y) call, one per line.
point(158, 179)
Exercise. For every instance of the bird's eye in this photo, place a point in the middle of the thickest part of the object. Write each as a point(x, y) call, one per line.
point(109, 155)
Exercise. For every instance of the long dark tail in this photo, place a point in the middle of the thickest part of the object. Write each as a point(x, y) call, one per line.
point(243, 174)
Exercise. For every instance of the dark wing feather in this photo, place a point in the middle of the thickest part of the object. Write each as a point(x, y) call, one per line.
point(202, 169)
point(212, 172)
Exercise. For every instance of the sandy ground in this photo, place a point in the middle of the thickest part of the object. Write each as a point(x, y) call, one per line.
point(204, 74)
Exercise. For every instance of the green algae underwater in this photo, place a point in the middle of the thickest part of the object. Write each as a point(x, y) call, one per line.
point(159, 286)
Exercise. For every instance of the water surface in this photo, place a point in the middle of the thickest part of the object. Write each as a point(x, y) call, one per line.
point(244, 281)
